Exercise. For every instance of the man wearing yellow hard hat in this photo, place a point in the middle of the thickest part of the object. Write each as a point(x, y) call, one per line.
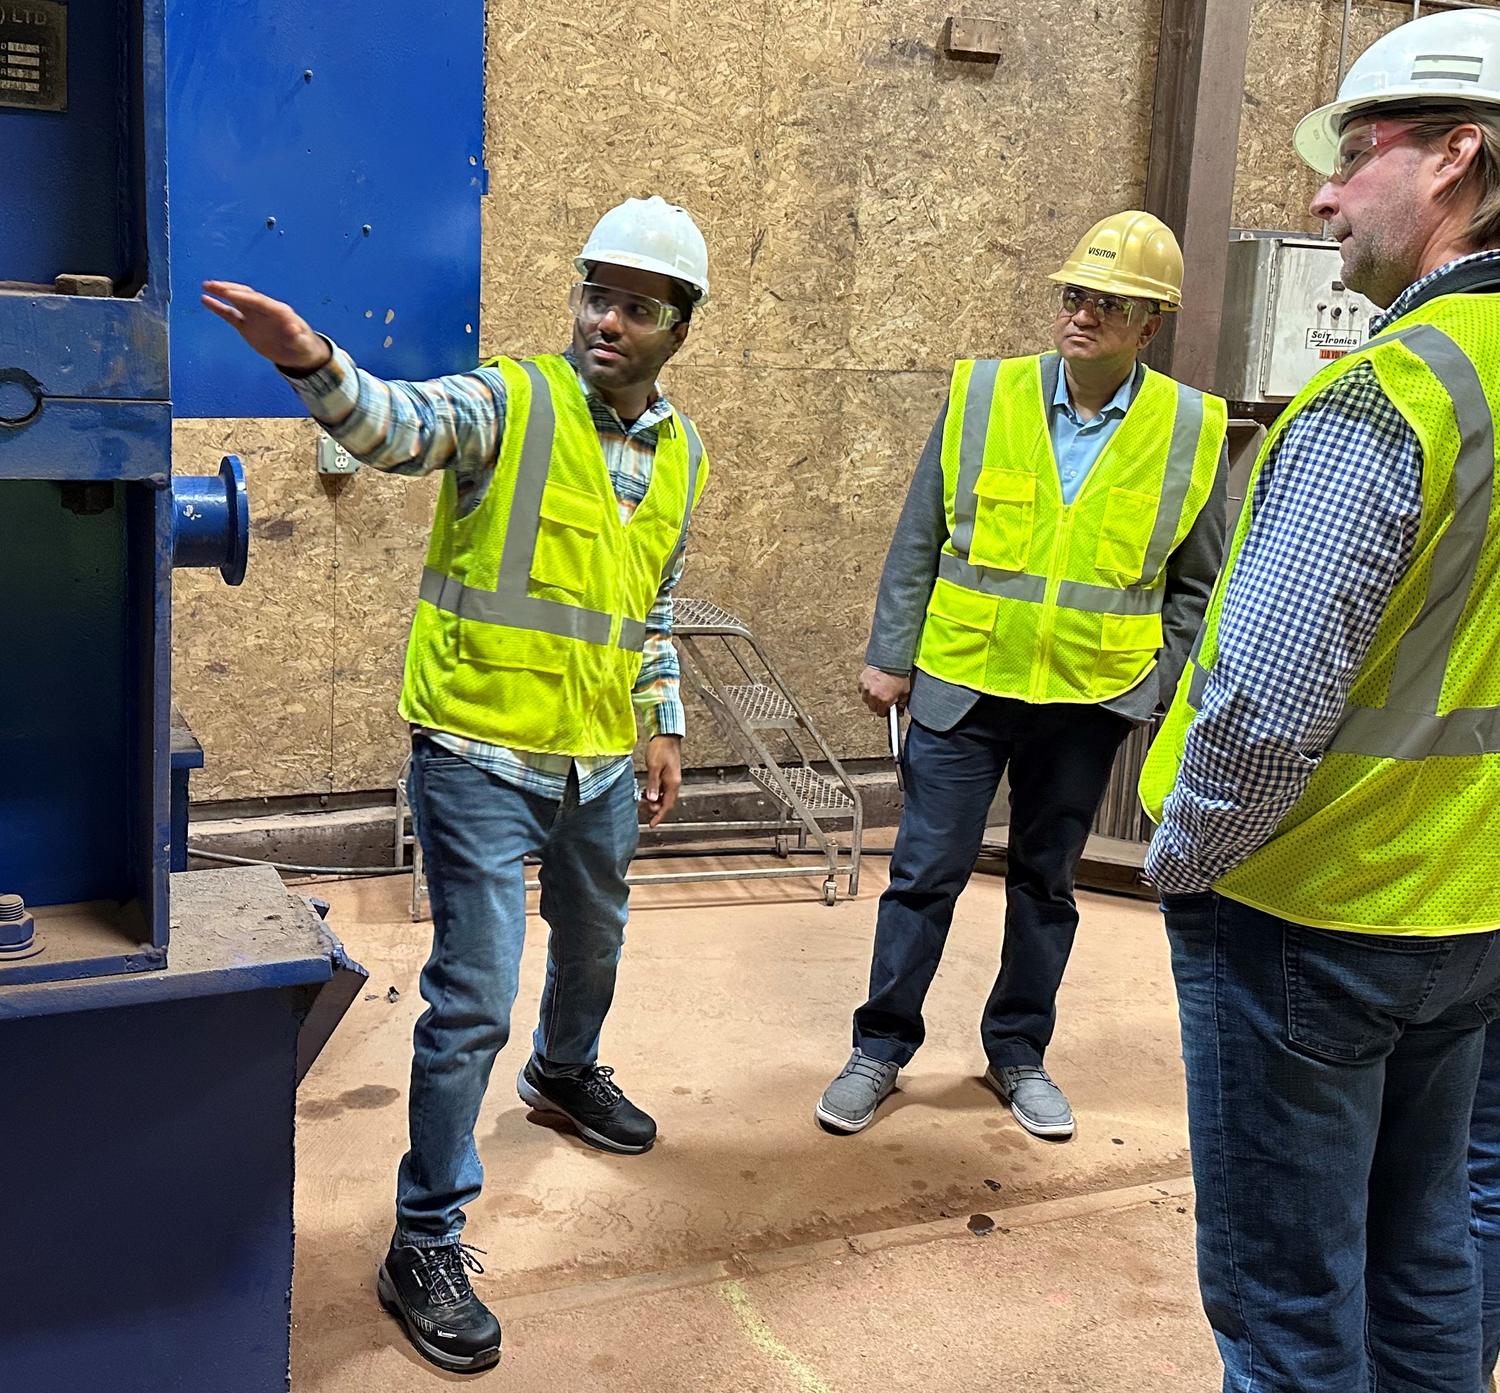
point(1327, 782)
point(1047, 577)
point(542, 633)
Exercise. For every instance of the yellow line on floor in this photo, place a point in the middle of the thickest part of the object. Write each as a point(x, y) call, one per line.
point(764, 1339)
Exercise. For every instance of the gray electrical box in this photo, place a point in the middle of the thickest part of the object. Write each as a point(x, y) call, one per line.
point(1286, 315)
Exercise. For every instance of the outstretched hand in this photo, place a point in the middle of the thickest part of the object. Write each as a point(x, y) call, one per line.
point(273, 329)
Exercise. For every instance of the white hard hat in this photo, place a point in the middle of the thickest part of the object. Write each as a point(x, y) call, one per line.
point(650, 234)
point(1451, 56)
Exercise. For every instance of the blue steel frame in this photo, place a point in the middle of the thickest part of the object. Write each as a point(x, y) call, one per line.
point(96, 373)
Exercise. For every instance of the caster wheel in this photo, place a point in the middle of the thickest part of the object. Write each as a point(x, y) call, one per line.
point(783, 847)
point(830, 891)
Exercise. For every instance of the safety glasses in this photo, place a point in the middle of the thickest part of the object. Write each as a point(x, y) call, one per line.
point(1360, 146)
point(643, 313)
point(1107, 309)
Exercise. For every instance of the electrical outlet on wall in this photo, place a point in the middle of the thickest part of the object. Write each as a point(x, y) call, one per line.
point(333, 458)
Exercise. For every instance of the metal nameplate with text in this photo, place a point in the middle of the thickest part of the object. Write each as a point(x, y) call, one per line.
point(34, 54)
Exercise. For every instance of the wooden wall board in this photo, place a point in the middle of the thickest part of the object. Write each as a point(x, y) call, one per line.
point(253, 664)
point(793, 530)
point(978, 179)
point(592, 102)
point(382, 524)
point(1292, 68)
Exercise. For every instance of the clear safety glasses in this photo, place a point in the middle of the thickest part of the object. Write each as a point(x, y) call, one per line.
point(1360, 146)
point(643, 313)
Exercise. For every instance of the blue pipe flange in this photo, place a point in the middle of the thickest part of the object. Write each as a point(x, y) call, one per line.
point(211, 520)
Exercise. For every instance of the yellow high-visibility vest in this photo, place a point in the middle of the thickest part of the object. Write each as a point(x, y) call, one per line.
point(1398, 830)
point(530, 624)
point(1050, 602)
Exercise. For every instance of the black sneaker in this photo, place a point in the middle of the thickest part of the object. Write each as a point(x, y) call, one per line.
point(428, 1291)
point(592, 1102)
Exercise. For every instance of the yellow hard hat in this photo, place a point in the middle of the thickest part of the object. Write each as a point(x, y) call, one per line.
point(1129, 253)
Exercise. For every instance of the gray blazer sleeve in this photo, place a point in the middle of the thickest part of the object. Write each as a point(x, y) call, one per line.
point(1191, 572)
point(911, 563)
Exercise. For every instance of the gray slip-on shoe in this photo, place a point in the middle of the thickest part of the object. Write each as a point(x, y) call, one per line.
point(1039, 1104)
point(848, 1104)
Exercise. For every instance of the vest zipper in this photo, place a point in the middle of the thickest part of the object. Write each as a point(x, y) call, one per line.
point(1042, 662)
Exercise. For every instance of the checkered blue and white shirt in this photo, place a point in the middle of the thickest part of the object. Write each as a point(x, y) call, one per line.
point(457, 423)
point(1336, 512)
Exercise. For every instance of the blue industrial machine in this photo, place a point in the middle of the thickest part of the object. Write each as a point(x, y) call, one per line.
point(153, 1026)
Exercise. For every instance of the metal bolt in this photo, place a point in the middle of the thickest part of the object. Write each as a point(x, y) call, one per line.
point(270, 222)
point(307, 76)
point(12, 909)
point(366, 229)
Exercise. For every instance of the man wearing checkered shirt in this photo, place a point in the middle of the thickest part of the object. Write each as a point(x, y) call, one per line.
point(1327, 782)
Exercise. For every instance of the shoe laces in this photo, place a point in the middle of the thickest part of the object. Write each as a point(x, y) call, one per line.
point(865, 1067)
point(1024, 1073)
point(601, 1086)
point(443, 1272)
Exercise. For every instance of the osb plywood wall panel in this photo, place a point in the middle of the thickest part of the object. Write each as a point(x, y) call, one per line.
point(382, 524)
point(290, 680)
point(253, 669)
point(874, 210)
point(1291, 68)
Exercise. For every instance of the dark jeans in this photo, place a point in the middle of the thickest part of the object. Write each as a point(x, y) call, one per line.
point(475, 830)
point(1330, 1083)
point(1484, 1190)
point(1059, 759)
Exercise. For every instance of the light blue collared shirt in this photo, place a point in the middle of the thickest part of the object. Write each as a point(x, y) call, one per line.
point(1077, 443)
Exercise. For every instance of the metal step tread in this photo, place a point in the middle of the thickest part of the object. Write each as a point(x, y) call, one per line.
point(818, 794)
point(760, 704)
point(689, 616)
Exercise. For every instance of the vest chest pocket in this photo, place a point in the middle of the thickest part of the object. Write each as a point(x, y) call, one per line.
point(568, 526)
point(1125, 533)
point(1004, 517)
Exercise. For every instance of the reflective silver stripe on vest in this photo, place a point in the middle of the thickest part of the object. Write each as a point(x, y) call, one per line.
point(695, 458)
point(632, 634)
point(1072, 594)
point(508, 603)
point(1408, 726)
point(978, 400)
point(517, 612)
point(1182, 453)
point(1013, 585)
point(1386, 734)
point(1107, 599)
point(1199, 680)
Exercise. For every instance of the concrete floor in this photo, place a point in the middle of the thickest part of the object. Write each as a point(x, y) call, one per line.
point(749, 1249)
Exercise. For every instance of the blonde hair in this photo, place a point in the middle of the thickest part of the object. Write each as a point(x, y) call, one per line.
point(1429, 125)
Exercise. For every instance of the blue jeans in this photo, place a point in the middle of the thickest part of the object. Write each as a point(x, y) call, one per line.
point(1059, 759)
point(475, 830)
point(1484, 1189)
point(1330, 1083)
